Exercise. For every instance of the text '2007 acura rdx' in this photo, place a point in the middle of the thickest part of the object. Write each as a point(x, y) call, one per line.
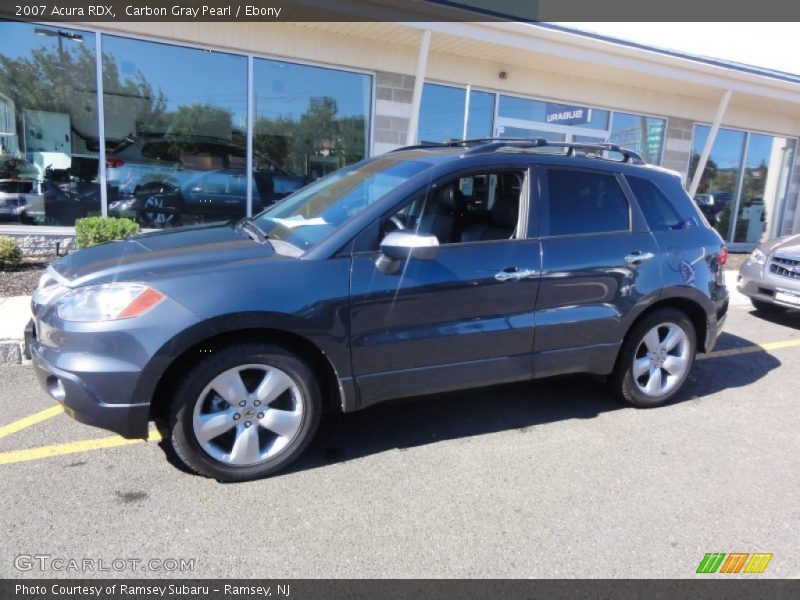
point(431, 268)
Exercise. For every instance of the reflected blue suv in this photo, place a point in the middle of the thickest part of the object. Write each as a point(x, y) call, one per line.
point(431, 268)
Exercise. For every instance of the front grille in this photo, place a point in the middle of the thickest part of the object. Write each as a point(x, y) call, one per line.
point(785, 267)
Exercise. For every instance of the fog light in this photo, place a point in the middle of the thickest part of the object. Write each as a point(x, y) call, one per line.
point(56, 388)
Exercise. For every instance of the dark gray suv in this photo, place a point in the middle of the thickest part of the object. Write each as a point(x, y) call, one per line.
point(431, 268)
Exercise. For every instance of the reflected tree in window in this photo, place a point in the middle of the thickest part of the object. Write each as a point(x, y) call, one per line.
point(315, 144)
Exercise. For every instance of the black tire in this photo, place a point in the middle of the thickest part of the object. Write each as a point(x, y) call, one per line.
point(622, 379)
point(189, 390)
point(767, 307)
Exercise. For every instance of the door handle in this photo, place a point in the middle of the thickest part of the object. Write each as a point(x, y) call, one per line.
point(514, 274)
point(637, 258)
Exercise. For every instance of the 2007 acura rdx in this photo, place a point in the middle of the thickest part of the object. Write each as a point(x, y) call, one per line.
point(430, 268)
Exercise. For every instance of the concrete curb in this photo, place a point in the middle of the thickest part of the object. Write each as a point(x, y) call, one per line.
point(11, 352)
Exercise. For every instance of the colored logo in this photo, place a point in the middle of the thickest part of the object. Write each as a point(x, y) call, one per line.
point(735, 562)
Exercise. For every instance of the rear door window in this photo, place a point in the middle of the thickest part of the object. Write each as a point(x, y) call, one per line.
point(584, 202)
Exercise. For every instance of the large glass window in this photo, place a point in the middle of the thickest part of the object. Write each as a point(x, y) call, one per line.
point(309, 121)
point(742, 191)
point(720, 181)
point(441, 113)
point(48, 125)
point(765, 175)
point(525, 109)
point(644, 135)
point(175, 124)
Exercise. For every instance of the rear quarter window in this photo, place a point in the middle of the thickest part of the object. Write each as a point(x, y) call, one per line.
point(659, 212)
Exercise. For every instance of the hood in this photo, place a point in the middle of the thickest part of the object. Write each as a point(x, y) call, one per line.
point(788, 246)
point(155, 255)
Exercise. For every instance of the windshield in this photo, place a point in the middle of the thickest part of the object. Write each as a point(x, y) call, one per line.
point(312, 213)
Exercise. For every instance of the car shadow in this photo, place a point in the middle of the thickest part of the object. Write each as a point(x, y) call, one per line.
point(520, 406)
point(424, 420)
point(788, 318)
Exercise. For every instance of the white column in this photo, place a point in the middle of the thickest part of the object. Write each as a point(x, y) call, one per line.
point(419, 80)
point(712, 135)
point(250, 125)
point(101, 123)
point(466, 112)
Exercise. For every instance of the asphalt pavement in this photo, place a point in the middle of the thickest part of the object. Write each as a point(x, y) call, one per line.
point(547, 479)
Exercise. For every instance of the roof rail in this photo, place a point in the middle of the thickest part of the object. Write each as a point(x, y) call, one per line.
point(490, 145)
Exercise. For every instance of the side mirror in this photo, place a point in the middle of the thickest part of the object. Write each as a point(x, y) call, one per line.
point(399, 246)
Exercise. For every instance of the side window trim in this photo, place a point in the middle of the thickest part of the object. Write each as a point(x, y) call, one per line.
point(545, 198)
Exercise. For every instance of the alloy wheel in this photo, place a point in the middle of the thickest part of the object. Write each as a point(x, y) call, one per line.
point(661, 360)
point(248, 414)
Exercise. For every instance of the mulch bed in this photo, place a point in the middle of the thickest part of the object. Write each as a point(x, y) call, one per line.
point(22, 280)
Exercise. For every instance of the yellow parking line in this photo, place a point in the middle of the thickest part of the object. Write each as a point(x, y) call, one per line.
point(16, 456)
point(31, 420)
point(754, 348)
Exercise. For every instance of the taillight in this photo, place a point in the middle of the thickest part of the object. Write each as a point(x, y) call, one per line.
point(113, 163)
point(722, 257)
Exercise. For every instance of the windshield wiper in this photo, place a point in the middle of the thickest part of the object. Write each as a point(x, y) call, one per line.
point(252, 230)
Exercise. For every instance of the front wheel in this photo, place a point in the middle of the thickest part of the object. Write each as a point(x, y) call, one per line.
point(656, 358)
point(245, 412)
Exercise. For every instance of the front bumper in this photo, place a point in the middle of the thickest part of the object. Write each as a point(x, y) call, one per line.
point(756, 282)
point(103, 374)
point(79, 392)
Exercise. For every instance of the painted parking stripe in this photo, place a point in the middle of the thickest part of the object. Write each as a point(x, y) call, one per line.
point(753, 348)
point(17, 456)
point(16, 426)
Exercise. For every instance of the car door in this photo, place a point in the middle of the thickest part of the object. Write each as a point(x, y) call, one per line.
point(598, 261)
point(462, 319)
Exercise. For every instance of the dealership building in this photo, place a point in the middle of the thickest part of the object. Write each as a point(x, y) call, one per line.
point(167, 125)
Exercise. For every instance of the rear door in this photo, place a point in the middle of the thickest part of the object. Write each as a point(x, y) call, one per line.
point(598, 261)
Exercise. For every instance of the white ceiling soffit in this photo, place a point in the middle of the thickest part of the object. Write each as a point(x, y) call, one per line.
point(648, 63)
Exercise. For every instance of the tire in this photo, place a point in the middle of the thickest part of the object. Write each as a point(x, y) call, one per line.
point(647, 379)
point(238, 444)
point(767, 307)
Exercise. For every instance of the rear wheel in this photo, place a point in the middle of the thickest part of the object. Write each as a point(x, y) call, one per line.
point(656, 358)
point(767, 307)
point(245, 412)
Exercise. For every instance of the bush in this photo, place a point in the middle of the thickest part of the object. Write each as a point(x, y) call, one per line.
point(10, 254)
point(91, 231)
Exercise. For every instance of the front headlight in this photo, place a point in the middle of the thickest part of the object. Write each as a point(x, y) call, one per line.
point(758, 257)
point(108, 302)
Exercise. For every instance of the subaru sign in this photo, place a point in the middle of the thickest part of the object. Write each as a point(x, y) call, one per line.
point(567, 114)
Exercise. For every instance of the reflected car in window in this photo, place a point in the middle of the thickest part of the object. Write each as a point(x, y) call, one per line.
point(19, 201)
point(205, 196)
point(713, 205)
point(164, 180)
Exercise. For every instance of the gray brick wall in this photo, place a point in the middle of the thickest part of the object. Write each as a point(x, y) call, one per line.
point(393, 93)
point(43, 244)
point(678, 145)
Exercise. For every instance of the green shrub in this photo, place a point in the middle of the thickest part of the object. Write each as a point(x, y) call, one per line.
point(91, 231)
point(10, 254)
